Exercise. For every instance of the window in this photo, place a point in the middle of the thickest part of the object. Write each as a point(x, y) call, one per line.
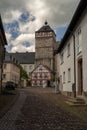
point(40, 76)
point(14, 60)
point(45, 76)
point(35, 76)
point(30, 67)
point(62, 57)
point(79, 38)
point(4, 76)
point(25, 67)
point(4, 66)
point(35, 82)
point(41, 83)
point(63, 77)
point(69, 75)
point(68, 50)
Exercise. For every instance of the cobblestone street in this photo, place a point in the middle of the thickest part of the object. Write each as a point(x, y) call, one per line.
point(35, 111)
point(8, 120)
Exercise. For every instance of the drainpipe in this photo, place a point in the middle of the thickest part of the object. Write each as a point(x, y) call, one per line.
point(74, 85)
point(74, 51)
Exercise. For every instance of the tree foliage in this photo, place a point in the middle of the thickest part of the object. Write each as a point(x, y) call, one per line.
point(23, 73)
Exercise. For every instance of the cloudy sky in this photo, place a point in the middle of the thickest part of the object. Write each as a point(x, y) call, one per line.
point(21, 18)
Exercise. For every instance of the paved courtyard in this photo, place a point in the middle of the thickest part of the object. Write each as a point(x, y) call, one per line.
point(34, 110)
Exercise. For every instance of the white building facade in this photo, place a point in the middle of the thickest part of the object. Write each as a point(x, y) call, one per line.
point(72, 54)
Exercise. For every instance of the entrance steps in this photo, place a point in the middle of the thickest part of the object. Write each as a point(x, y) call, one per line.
point(78, 101)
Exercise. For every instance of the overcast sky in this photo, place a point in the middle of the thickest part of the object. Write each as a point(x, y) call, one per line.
point(21, 18)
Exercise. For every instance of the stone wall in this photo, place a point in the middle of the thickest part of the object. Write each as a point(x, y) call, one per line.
point(44, 46)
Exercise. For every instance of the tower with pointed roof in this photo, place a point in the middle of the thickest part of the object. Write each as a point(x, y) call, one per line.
point(45, 40)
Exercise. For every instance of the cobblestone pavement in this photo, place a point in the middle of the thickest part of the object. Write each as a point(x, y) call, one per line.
point(8, 120)
point(38, 113)
point(34, 111)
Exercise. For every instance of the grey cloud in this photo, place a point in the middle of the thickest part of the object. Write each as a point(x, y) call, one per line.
point(7, 5)
point(57, 12)
point(60, 11)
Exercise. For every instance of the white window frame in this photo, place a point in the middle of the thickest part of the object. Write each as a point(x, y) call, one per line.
point(62, 57)
point(68, 50)
point(25, 67)
point(4, 77)
point(69, 74)
point(64, 77)
point(79, 38)
point(30, 67)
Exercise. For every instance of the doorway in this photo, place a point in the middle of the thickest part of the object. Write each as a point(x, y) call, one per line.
point(80, 76)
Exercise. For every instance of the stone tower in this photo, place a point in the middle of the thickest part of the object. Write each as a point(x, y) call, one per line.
point(45, 41)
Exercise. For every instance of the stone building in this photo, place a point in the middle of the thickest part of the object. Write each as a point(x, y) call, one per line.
point(45, 41)
point(3, 42)
point(26, 60)
point(11, 70)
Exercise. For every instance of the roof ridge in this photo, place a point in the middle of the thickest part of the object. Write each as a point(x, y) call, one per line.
point(45, 28)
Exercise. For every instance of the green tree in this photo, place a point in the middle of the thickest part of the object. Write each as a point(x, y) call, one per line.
point(23, 73)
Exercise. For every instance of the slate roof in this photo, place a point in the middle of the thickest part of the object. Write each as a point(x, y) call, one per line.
point(7, 58)
point(24, 58)
point(79, 11)
point(10, 59)
point(45, 28)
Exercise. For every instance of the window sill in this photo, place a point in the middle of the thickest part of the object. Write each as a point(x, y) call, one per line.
point(68, 56)
point(62, 63)
point(79, 53)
